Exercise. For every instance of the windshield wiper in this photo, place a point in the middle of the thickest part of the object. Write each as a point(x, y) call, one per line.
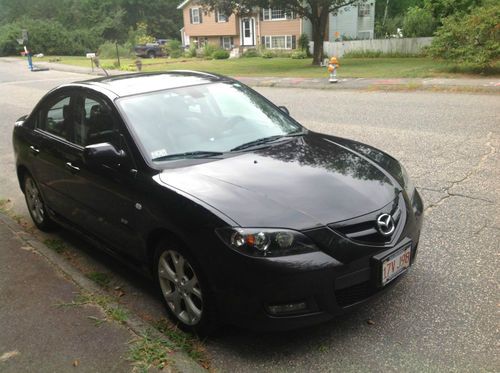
point(193, 154)
point(265, 140)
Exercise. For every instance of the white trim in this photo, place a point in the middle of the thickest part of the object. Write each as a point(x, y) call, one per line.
point(181, 5)
point(192, 16)
point(270, 14)
point(268, 40)
point(218, 14)
point(252, 32)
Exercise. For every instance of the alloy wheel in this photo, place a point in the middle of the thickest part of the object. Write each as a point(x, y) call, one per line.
point(180, 287)
point(34, 201)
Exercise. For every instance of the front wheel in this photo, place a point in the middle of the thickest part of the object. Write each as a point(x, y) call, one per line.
point(183, 289)
point(36, 205)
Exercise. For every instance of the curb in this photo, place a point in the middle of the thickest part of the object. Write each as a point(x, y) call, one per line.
point(179, 361)
point(380, 84)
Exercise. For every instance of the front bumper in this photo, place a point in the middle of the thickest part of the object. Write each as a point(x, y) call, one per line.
point(246, 288)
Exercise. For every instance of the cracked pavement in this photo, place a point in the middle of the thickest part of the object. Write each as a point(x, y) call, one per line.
point(443, 316)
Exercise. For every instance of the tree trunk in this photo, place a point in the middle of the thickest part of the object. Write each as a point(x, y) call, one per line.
point(319, 24)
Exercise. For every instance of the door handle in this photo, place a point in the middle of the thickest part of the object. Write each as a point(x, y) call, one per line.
point(34, 150)
point(72, 168)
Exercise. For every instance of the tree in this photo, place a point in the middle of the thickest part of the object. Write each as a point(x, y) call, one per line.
point(418, 22)
point(316, 11)
point(473, 38)
point(441, 9)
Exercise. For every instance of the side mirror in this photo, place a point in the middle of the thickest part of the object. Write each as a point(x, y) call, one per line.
point(284, 109)
point(103, 153)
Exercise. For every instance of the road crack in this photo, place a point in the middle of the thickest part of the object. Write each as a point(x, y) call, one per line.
point(468, 175)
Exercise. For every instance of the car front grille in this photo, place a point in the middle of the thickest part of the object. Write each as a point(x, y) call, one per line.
point(363, 229)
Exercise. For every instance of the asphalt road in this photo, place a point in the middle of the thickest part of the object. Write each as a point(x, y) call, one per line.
point(443, 316)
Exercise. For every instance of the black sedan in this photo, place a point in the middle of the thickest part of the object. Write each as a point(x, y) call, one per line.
point(239, 213)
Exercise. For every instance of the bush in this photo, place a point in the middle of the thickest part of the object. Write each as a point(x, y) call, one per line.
point(191, 52)
point(389, 28)
point(304, 43)
point(220, 54)
point(108, 50)
point(267, 54)
point(47, 37)
point(473, 38)
point(174, 49)
point(299, 55)
point(208, 50)
point(250, 53)
point(418, 22)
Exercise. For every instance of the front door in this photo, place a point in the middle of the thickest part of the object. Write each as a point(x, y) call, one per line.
point(248, 31)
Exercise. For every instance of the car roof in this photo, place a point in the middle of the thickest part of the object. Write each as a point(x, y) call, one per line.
point(137, 83)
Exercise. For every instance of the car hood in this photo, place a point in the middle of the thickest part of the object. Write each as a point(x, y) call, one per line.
point(305, 182)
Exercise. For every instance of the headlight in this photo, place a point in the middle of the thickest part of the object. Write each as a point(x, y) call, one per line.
point(408, 183)
point(266, 242)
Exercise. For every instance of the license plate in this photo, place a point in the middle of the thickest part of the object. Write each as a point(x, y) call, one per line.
point(395, 264)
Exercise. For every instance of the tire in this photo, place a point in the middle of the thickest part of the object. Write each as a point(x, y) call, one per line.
point(184, 290)
point(151, 54)
point(36, 205)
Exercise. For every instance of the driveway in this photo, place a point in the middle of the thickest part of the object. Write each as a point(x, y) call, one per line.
point(443, 316)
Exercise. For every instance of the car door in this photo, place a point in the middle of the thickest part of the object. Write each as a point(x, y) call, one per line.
point(106, 194)
point(51, 149)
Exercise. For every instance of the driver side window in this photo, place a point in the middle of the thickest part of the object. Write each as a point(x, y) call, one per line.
point(56, 120)
point(100, 124)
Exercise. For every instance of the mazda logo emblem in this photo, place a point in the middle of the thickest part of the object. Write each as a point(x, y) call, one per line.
point(385, 225)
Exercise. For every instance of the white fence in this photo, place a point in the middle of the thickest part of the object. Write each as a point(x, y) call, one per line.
point(403, 46)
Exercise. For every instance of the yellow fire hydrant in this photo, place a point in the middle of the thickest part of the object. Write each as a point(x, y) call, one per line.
point(333, 65)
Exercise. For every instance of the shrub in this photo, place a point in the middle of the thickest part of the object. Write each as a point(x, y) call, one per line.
point(220, 54)
point(47, 37)
point(251, 53)
point(208, 50)
point(304, 43)
point(174, 49)
point(390, 27)
point(267, 54)
point(473, 38)
point(299, 55)
point(418, 22)
point(108, 50)
point(191, 52)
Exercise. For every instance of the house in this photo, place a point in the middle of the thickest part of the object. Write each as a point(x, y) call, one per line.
point(352, 22)
point(271, 28)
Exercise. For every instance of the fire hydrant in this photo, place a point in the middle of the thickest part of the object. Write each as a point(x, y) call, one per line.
point(333, 65)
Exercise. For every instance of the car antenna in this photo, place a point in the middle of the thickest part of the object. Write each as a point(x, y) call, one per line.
point(98, 65)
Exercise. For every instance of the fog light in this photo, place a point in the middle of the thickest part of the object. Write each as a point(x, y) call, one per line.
point(287, 308)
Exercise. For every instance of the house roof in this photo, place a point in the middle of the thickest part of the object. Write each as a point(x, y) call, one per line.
point(183, 4)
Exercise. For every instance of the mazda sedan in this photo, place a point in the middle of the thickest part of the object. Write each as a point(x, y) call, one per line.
point(239, 213)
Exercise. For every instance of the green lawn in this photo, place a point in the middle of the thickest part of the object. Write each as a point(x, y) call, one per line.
point(286, 67)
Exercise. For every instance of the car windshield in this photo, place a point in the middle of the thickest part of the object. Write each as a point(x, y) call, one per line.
point(203, 120)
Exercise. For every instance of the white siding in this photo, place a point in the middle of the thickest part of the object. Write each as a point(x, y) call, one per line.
point(347, 23)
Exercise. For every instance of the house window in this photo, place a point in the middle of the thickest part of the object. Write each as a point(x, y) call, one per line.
point(220, 17)
point(275, 14)
point(279, 42)
point(195, 14)
point(363, 10)
point(226, 42)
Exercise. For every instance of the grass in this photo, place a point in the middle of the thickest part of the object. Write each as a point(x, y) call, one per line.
point(54, 244)
point(112, 311)
point(100, 278)
point(186, 342)
point(382, 67)
point(148, 352)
